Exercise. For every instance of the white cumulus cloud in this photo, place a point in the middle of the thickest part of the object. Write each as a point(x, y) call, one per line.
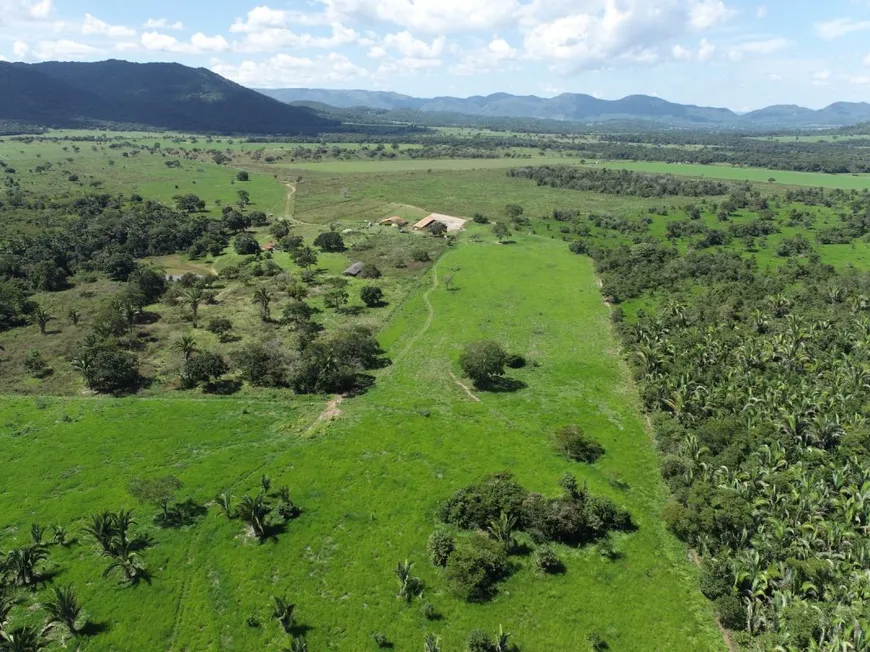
point(199, 43)
point(285, 70)
point(406, 44)
point(163, 23)
point(63, 49)
point(94, 26)
point(488, 59)
point(834, 29)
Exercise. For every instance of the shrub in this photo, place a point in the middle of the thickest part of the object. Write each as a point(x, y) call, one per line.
point(35, 364)
point(731, 612)
point(480, 641)
point(578, 247)
point(242, 176)
point(381, 640)
point(573, 443)
point(429, 611)
point(203, 368)
point(108, 369)
point(546, 560)
point(370, 271)
point(480, 218)
point(245, 244)
point(420, 256)
point(483, 361)
point(475, 566)
point(473, 507)
point(716, 578)
point(371, 295)
point(220, 326)
point(437, 229)
point(261, 366)
point(440, 545)
point(331, 241)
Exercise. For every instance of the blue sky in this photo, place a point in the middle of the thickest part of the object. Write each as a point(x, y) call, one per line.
point(741, 54)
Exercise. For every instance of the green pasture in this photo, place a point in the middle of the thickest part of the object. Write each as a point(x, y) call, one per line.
point(370, 481)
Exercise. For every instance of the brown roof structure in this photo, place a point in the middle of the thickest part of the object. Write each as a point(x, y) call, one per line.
point(269, 246)
point(426, 221)
point(354, 270)
point(395, 221)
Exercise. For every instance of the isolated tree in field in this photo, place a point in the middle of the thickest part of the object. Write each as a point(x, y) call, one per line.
point(244, 198)
point(74, 316)
point(483, 361)
point(254, 511)
point(448, 282)
point(573, 443)
point(242, 176)
point(514, 210)
point(432, 643)
point(336, 298)
point(186, 346)
point(305, 258)
point(59, 535)
point(263, 300)
point(64, 609)
point(37, 532)
point(193, 297)
point(409, 586)
point(189, 203)
point(500, 231)
point(129, 312)
point(156, 491)
point(224, 501)
point(330, 241)
point(41, 317)
point(371, 295)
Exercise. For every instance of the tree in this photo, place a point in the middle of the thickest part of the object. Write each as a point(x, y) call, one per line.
point(502, 530)
point(284, 612)
point(246, 245)
point(336, 298)
point(189, 203)
point(409, 586)
point(36, 365)
point(126, 561)
point(242, 176)
point(21, 563)
point(254, 511)
point(371, 295)
point(41, 317)
point(573, 443)
point(220, 326)
point(305, 258)
point(23, 639)
point(263, 299)
point(330, 241)
point(156, 491)
point(186, 346)
point(500, 231)
point(244, 198)
point(483, 361)
point(432, 643)
point(513, 210)
point(205, 368)
point(440, 545)
point(107, 369)
point(193, 297)
point(437, 229)
point(74, 316)
point(261, 366)
point(64, 609)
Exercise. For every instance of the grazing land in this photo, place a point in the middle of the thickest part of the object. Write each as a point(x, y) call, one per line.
point(341, 433)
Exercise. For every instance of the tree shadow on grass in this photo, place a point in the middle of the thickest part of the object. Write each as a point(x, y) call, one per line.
point(502, 385)
point(224, 387)
point(181, 514)
point(93, 628)
point(298, 631)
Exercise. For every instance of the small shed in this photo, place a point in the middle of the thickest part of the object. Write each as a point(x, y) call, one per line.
point(354, 270)
point(426, 221)
point(395, 221)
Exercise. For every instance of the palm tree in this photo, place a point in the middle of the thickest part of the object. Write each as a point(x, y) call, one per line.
point(409, 586)
point(299, 645)
point(501, 640)
point(36, 533)
point(193, 298)
point(432, 643)
point(41, 317)
point(59, 535)
point(7, 601)
point(123, 520)
point(64, 609)
point(283, 611)
point(225, 502)
point(502, 530)
point(125, 560)
point(102, 528)
point(74, 316)
point(186, 346)
point(265, 483)
point(254, 511)
point(23, 639)
point(21, 563)
point(263, 298)
point(84, 364)
point(129, 312)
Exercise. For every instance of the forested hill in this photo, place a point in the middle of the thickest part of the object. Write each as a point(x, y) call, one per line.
point(149, 95)
point(585, 108)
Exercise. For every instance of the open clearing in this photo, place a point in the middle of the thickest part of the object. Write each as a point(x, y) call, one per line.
point(370, 480)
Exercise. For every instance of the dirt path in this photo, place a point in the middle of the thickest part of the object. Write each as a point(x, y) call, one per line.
point(288, 210)
point(464, 387)
point(429, 318)
point(330, 413)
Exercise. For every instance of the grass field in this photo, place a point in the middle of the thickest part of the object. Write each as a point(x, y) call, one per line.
point(369, 482)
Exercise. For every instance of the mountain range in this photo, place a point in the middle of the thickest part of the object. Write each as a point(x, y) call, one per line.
point(577, 107)
point(150, 95)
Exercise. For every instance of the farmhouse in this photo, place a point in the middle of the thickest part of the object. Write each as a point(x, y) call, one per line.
point(354, 270)
point(453, 224)
point(395, 221)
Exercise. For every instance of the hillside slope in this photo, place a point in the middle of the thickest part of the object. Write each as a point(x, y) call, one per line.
point(156, 95)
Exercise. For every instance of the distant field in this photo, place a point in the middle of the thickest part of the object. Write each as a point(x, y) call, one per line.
point(404, 165)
